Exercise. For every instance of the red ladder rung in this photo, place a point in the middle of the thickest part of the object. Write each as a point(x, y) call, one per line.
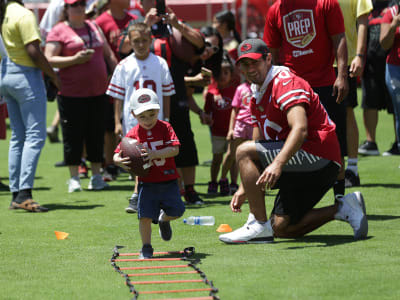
point(176, 291)
point(154, 267)
point(146, 259)
point(166, 281)
point(155, 253)
point(161, 273)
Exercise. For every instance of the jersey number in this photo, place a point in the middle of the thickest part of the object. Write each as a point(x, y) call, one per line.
point(147, 84)
point(153, 146)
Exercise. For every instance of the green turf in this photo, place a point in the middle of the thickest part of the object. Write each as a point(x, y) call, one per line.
point(326, 264)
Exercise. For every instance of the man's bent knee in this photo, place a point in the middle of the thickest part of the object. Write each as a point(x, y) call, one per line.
point(280, 224)
point(246, 150)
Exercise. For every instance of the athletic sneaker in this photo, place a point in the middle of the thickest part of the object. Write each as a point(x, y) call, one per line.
point(351, 179)
point(352, 210)
point(132, 207)
point(146, 252)
point(212, 188)
point(97, 183)
point(52, 134)
point(224, 187)
point(110, 173)
point(191, 197)
point(394, 150)
point(165, 227)
point(251, 233)
point(74, 185)
point(368, 148)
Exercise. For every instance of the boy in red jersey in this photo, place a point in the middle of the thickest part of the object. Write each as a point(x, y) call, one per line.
point(159, 197)
point(294, 149)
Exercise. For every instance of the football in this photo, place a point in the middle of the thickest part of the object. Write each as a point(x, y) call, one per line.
point(182, 48)
point(131, 148)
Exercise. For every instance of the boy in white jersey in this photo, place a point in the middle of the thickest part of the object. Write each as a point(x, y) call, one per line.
point(141, 69)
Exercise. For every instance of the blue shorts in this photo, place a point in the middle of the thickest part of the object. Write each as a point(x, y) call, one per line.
point(160, 195)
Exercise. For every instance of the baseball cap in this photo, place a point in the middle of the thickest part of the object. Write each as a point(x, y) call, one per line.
point(72, 1)
point(142, 100)
point(252, 48)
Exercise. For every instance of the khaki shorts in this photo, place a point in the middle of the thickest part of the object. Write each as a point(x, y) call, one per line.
point(219, 144)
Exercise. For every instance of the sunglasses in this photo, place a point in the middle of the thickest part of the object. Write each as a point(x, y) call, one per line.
point(214, 48)
point(79, 3)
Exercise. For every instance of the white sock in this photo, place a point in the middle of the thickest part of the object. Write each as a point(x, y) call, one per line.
point(352, 165)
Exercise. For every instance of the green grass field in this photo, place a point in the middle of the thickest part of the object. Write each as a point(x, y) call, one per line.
point(326, 264)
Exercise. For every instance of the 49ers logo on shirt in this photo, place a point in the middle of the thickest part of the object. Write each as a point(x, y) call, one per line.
point(299, 27)
point(144, 98)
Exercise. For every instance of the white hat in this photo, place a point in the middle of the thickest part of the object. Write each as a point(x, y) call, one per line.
point(142, 100)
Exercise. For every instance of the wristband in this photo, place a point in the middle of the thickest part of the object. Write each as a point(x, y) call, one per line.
point(360, 55)
point(166, 120)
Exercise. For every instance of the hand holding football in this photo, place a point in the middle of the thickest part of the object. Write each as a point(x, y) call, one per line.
point(132, 148)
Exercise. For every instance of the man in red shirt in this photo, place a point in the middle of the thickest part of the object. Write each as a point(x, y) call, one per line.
point(294, 149)
point(306, 36)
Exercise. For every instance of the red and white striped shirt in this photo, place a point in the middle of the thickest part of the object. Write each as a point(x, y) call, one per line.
point(282, 90)
point(132, 74)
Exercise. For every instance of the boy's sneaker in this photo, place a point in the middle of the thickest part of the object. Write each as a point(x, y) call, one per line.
point(165, 227)
point(146, 252)
point(224, 187)
point(251, 233)
point(52, 134)
point(352, 210)
point(212, 188)
point(83, 170)
point(233, 187)
point(392, 151)
point(132, 207)
point(110, 173)
point(97, 183)
point(74, 185)
point(351, 179)
point(368, 148)
point(191, 197)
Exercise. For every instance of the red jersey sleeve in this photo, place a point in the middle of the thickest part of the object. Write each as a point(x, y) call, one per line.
point(272, 36)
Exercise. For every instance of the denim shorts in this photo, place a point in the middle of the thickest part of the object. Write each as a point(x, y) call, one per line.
point(160, 195)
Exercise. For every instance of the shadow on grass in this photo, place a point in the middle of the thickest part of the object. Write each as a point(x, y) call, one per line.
point(321, 241)
point(381, 217)
point(58, 206)
point(385, 185)
point(115, 188)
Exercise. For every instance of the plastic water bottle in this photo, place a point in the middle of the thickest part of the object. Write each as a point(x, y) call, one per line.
point(200, 220)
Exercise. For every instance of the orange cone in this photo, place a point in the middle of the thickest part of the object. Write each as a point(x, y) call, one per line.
point(61, 235)
point(224, 228)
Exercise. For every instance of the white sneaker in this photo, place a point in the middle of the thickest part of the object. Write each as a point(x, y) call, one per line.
point(74, 185)
point(352, 210)
point(97, 183)
point(250, 233)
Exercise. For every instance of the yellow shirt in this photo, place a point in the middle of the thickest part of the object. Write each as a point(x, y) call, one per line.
point(19, 28)
point(352, 10)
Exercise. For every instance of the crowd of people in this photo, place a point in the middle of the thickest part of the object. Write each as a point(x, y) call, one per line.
point(280, 109)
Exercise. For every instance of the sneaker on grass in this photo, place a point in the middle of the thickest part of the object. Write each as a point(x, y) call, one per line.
point(97, 183)
point(212, 188)
point(132, 207)
point(368, 148)
point(74, 185)
point(351, 179)
point(252, 232)
point(146, 252)
point(352, 210)
point(165, 227)
point(394, 150)
point(224, 187)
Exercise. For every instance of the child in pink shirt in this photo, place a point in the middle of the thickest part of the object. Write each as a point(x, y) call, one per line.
point(240, 130)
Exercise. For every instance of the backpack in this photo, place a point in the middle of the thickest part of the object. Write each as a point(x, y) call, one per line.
point(161, 48)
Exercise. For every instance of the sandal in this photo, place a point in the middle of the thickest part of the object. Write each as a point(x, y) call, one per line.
point(29, 205)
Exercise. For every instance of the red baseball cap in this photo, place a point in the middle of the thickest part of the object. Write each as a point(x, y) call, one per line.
point(73, 1)
point(252, 48)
